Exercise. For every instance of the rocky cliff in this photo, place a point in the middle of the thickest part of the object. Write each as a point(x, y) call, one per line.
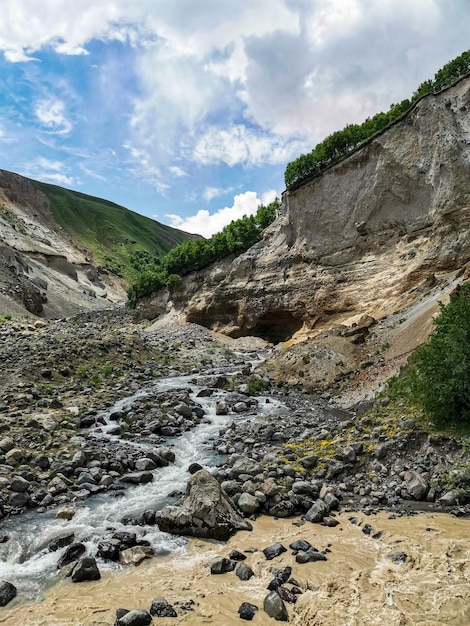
point(42, 270)
point(370, 235)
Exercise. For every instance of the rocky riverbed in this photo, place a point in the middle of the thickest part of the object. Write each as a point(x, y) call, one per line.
point(82, 416)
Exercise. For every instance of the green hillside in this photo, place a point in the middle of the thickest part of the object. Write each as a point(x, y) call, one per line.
point(118, 238)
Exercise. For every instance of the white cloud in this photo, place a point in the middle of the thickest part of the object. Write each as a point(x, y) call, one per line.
point(210, 193)
point(177, 171)
point(239, 144)
point(207, 224)
point(49, 170)
point(51, 114)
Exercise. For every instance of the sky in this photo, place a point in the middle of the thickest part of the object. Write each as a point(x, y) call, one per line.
point(188, 111)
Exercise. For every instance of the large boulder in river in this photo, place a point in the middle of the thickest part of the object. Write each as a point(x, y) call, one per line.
point(206, 511)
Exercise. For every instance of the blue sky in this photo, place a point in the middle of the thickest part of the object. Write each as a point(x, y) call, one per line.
point(189, 110)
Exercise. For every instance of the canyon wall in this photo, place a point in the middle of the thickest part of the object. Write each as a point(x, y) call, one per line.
point(370, 235)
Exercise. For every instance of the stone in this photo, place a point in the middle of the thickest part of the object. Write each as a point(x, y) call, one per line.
point(274, 606)
point(398, 557)
point(221, 565)
point(161, 608)
point(235, 555)
point(244, 571)
point(247, 611)
point(65, 512)
point(85, 569)
point(248, 504)
point(300, 544)
point(109, 550)
point(416, 485)
point(137, 478)
point(13, 456)
point(61, 542)
point(135, 555)
point(206, 511)
point(73, 552)
point(136, 617)
point(271, 552)
point(317, 511)
point(19, 484)
point(310, 556)
point(7, 592)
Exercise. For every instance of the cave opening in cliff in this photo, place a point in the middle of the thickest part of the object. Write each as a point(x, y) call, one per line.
point(276, 326)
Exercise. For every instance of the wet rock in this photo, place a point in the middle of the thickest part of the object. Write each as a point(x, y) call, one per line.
point(65, 512)
point(274, 606)
point(61, 542)
point(135, 555)
point(287, 595)
point(137, 478)
point(300, 544)
point(331, 522)
point(161, 608)
point(398, 557)
point(221, 565)
point(109, 550)
point(71, 554)
point(206, 511)
point(194, 467)
point(7, 592)
point(271, 552)
point(247, 611)
point(317, 511)
point(19, 500)
point(86, 569)
point(244, 571)
point(136, 617)
point(235, 555)
point(310, 556)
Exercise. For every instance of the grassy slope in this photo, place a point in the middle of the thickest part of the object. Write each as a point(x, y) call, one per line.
point(110, 232)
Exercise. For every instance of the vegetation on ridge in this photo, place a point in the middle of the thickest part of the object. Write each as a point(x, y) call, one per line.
point(343, 142)
point(115, 236)
point(239, 235)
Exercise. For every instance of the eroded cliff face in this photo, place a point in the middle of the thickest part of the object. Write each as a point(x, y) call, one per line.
point(371, 235)
point(42, 270)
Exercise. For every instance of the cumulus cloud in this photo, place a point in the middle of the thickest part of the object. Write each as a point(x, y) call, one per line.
point(207, 224)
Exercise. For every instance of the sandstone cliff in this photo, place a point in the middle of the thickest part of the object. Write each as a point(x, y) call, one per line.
point(371, 236)
point(368, 236)
point(42, 270)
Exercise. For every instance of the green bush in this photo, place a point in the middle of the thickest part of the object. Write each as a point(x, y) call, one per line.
point(441, 379)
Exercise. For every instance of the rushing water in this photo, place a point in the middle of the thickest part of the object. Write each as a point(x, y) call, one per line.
point(25, 559)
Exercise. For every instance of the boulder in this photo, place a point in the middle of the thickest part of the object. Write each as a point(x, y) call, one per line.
point(317, 511)
point(247, 611)
point(271, 552)
point(206, 511)
point(7, 592)
point(416, 485)
point(274, 606)
point(138, 617)
point(161, 608)
point(86, 569)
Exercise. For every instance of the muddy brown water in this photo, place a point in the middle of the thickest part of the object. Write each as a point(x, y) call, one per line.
point(358, 585)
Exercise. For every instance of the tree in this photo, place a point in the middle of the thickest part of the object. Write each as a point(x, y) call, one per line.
point(441, 382)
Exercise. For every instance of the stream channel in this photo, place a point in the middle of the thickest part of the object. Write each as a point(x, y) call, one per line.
point(25, 559)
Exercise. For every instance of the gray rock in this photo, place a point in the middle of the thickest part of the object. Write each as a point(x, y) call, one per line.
point(247, 611)
point(86, 569)
point(244, 571)
point(248, 504)
point(317, 511)
point(137, 617)
point(221, 565)
point(19, 484)
point(273, 551)
point(137, 478)
point(206, 511)
point(274, 606)
point(161, 608)
point(7, 592)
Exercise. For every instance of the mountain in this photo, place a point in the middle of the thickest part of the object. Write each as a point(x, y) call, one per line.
point(382, 230)
point(62, 251)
